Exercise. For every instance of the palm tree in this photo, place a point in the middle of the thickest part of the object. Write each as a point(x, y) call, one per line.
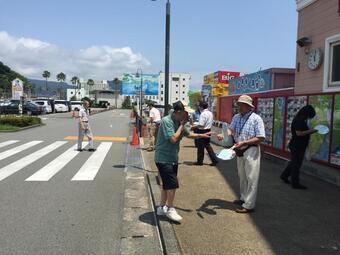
point(61, 77)
point(116, 83)
point(75, 81)
point(90, 83)
point(46, 74)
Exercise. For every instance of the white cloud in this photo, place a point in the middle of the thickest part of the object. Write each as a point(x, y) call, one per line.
point(31, 57)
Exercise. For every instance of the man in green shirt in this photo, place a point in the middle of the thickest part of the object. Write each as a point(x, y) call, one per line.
point(171, 131)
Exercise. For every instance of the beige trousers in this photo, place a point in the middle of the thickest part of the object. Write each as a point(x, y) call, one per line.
point(152, 130)
point(249, 171)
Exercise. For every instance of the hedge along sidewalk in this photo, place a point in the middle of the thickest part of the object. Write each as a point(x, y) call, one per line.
point(14, 123)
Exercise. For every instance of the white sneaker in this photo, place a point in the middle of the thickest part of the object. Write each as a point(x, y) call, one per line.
point(161, 210)
point(173, 215)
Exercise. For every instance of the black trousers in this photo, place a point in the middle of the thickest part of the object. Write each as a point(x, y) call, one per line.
point(204, 143)
point(293, 168)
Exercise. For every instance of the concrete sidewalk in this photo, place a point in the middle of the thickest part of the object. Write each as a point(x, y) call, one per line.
point(286, 221)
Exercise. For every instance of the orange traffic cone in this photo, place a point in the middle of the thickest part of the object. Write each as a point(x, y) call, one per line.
point(134, 137)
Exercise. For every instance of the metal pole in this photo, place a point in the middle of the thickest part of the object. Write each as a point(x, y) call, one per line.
point(167, 58)
point(115, 92)
point(140, 103)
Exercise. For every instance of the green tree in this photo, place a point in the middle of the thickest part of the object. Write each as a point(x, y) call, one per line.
point(46, 74)
point(61, 77)
point(6, 77)
point(75, 81)
point(127, 103)
point(90, 83)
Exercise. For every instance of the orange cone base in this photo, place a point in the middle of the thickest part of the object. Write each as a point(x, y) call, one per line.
point(135, 140)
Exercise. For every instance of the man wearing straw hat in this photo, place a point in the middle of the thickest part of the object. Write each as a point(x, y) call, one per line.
point(247, 129)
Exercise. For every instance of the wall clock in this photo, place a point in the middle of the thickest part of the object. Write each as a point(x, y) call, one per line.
point(314, 59)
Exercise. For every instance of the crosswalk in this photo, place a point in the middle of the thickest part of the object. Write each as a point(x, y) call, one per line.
point(87, 172)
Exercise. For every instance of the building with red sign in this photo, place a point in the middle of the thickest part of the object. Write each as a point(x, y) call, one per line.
point(219, 82)
point(317, 82)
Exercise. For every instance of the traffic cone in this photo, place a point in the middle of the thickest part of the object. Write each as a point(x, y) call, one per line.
point(134, 137)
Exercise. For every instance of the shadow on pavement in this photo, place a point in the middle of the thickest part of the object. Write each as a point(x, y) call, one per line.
point(118, 166)
point(292, 221)
point(211, 205)
point(192, 163)
point(148, 218)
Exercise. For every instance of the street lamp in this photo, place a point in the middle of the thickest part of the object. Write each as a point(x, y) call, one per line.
point(140, 74)
point(167, 57)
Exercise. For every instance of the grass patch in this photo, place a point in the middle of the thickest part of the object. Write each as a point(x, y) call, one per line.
point(6, 127)
point(19, 121)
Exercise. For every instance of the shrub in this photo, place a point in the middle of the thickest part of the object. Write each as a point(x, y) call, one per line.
point(23, 121)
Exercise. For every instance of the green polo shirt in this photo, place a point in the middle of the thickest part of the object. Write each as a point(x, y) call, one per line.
point(166, 151)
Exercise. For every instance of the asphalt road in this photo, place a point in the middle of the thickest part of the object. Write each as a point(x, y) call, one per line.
point(44, 211)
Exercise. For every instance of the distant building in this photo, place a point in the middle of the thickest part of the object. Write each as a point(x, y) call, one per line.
point(219, 82)
point(98, 85)
point(178, 87)
point(78, 93)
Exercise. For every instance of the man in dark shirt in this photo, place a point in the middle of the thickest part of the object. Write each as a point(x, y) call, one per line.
point(298, 144)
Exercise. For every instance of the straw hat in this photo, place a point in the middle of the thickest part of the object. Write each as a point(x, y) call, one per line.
point(245, 99)
point(187, 107)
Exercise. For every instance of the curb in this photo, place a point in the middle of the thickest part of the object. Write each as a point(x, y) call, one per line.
point(166, 230)
point(97, 112)
point(23, 128)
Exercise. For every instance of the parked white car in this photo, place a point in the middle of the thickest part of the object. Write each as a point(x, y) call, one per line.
point(44, 103)
point(76, 105)
point(60, 106)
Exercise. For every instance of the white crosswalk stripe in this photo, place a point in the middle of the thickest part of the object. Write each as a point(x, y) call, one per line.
point(48, 171)
point(18, 149)
point(3, 144)
point(87, 172)
point(91, 167)
point(23, 162)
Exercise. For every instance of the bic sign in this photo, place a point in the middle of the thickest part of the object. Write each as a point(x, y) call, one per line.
point(225, 76)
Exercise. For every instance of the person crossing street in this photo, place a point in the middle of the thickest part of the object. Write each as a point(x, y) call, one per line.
point(84, 127)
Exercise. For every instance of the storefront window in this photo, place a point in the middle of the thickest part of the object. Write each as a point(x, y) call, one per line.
point(279, 111)
point(319, 144)
point(335, 148)
point(265, 108)
point(294, 104)
point(335, 69)
point(331, 78)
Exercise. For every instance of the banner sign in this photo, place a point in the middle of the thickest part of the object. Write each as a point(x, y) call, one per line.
point(17, 89)
point(131, 84)
point(251, 83)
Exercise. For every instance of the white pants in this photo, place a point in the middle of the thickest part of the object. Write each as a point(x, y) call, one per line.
point(88, 133)
point(249, 171)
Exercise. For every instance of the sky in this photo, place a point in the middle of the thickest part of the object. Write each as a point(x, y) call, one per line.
point(105, 38)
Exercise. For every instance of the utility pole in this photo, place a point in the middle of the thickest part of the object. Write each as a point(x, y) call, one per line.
point(167, 58)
